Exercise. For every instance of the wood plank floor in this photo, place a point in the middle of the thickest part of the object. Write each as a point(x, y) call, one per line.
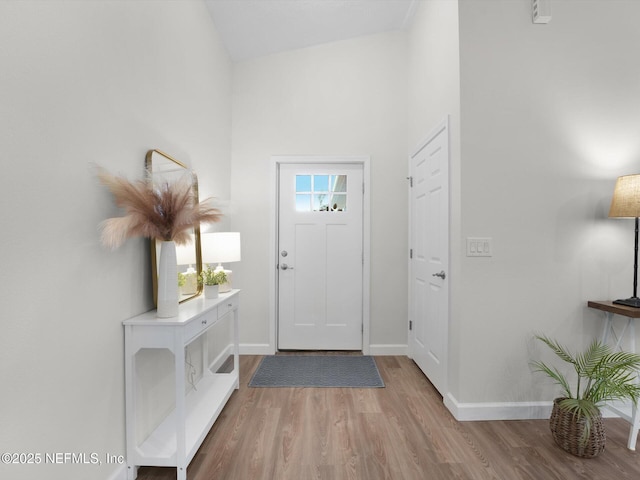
point(401, 432)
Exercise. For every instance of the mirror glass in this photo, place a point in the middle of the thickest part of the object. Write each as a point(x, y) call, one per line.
point(162, 168)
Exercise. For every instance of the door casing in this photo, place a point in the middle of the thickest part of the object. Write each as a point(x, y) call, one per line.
point(278, 160)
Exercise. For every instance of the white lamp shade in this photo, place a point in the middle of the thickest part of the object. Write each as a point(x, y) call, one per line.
point(220, 247)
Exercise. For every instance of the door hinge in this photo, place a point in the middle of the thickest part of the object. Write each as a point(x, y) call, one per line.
point(410, 181)
point(411, 253)
point(410, 324)
point(363, 188)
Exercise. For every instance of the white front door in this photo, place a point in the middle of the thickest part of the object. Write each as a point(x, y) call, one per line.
point(320, 257)
point(429, 234)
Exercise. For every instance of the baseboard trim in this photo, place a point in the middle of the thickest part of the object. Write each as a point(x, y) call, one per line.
point(382, 350)
point(221, 358)
point(256, 349)
point(468, 412)
point(497, 410)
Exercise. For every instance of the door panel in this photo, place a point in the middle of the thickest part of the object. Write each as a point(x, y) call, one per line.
point(320, 229)
point(429, 233)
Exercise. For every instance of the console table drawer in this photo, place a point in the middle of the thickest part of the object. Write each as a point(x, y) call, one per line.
point(197, 325)
point(227, 306)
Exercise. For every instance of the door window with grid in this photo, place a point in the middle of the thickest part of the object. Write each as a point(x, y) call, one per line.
point(321, 193)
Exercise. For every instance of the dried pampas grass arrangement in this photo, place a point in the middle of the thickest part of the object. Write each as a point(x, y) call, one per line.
point(167, 212)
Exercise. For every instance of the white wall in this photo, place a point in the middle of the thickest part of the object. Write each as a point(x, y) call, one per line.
point(550, 118)
point(82, 82)
point(342, 98)
point(433, 69)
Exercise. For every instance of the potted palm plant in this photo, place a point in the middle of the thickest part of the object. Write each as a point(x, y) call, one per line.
point(602, 376)
point(211, 279)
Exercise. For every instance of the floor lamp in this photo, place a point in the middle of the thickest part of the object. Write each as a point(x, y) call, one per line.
point(626, 204)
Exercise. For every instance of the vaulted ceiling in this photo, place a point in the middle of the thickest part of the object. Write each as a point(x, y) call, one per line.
point(253, 28)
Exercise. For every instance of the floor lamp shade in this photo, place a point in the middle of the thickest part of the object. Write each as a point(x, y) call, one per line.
point(626, 204)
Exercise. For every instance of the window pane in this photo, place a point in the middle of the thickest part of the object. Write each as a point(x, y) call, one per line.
point(339, 183)
point(303, 183)
point(315, 193)
point(320, 202)
point(303, 203)
point(339, 202)
point(321, 183)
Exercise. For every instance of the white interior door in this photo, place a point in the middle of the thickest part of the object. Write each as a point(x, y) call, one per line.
point(429, 234)
point(320, 257)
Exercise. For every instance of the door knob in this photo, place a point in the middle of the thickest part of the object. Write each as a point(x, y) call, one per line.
point(441, 274)
point(284, 266)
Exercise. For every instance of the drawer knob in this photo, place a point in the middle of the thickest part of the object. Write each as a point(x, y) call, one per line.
point(204, 322)
point(229, 305)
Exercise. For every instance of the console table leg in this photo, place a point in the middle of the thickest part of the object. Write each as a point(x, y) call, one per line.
point(236, 347)
point(181, 461)
point(132, 472)
point(635, 427)
point(181, 473)
point(608, 322)
point(130, 401)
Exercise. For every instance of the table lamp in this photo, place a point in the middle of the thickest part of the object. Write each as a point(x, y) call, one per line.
point(626, 204)
point(221, 247)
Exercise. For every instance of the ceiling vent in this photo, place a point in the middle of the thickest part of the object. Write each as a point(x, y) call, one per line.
point(541, 11)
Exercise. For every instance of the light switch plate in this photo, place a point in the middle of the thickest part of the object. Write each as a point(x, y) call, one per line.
point(479, 247)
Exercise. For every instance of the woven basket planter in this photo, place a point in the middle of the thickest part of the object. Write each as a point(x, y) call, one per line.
point(567, 431)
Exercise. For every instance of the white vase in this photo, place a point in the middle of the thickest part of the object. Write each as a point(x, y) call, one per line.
point(167, 281)
point(211, 291)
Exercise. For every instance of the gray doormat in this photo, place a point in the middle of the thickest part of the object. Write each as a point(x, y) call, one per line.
point(317, 371)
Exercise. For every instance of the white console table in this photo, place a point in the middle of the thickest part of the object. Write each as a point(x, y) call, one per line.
point(175, 441)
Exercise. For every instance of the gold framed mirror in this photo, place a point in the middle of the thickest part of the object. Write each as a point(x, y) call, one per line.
point(163, 168)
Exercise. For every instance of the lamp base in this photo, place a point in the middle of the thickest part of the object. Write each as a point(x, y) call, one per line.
point(629, 302)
